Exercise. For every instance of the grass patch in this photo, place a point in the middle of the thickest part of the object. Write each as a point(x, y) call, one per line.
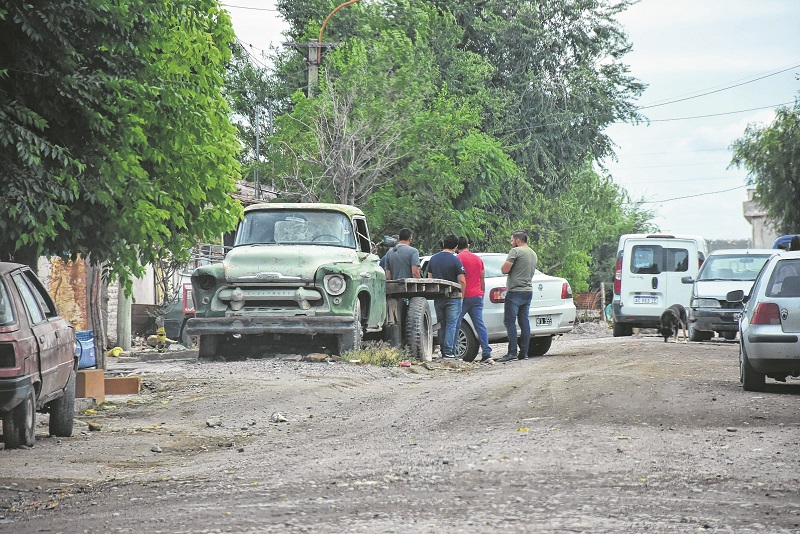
point(377, 353)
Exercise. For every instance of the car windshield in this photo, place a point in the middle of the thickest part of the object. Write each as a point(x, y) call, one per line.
point(6, 311)
point(735, 267)
point(785, 279)
point(295, 227)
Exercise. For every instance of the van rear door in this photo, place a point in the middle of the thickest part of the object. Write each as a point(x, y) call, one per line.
point(652, 272)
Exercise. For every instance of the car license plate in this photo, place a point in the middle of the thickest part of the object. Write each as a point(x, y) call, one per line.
point(645, 299)
point(544, 320)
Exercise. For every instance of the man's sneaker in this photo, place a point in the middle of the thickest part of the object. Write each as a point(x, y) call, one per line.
point(449, 356)
point(508, 358)
point(487, 360)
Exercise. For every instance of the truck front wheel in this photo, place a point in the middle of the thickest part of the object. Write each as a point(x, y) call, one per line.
point(352, 339)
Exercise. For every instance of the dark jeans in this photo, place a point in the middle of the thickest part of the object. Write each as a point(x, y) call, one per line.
point(448, 313)
point(474, 307)
point(516, 310)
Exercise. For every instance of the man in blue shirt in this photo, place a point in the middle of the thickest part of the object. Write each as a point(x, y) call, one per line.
point(446, 266)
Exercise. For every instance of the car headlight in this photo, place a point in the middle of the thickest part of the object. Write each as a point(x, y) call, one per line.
point(705, 303)
point(335, 284)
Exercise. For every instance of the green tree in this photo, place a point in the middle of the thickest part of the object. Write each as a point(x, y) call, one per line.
point(771, 156)
point(115, 140)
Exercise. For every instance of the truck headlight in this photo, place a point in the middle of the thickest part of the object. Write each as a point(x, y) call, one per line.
point(335, 284)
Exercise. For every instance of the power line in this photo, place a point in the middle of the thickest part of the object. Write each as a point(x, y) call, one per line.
point(693, 196)
point(718, 90)
point(251, 8)
point(721, 114)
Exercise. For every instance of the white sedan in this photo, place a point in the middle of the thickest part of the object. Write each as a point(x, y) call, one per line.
point(552, 310)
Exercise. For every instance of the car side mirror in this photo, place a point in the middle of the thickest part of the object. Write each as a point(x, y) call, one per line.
point(388, 241)
point(687, 280)
point(735, 296)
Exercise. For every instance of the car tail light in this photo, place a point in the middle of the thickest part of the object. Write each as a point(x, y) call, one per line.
point(767, 313)
point(497, 295)
point(188, 301)
point(566, 291)
point(618, 277)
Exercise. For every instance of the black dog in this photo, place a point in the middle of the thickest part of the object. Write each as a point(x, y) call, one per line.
point(673, 319)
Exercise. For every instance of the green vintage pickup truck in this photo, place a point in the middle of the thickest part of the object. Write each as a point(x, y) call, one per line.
point(307, 270)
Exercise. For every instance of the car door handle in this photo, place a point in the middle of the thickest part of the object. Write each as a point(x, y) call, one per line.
point(57, 334)
point(41, 339)
point(655, 282)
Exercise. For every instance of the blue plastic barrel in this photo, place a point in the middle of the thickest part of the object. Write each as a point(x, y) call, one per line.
point(84, 348)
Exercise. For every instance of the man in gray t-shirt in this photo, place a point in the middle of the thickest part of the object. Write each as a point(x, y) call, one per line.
point(520, 266)
point(402, 261)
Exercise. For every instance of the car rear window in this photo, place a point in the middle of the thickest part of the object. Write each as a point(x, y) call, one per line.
point(785, 279)
point(6, 310)
point(655, 259)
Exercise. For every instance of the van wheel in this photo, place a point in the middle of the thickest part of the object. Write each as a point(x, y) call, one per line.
point(751, 380)
point(539, 345)
point(622, 330)
point(62, 410)
point(466, 343)
point(419, 331)
point(730, 336)
point(19, 424)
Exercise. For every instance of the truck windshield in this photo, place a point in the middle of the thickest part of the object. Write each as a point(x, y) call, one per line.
point(295, 227)
point(743, 268)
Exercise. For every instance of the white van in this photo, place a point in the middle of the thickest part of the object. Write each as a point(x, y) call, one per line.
point(647, 277)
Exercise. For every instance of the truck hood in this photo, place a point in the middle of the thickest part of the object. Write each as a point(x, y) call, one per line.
point(271, 263)
point(718, 289)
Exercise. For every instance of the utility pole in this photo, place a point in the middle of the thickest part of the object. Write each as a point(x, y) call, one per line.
point(315, 50)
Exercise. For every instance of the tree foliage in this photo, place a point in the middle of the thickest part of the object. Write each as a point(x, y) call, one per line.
point(771, 156)
point(115, 139)
point(495, 130)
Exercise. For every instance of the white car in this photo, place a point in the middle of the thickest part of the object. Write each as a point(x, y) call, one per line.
point(552, 310)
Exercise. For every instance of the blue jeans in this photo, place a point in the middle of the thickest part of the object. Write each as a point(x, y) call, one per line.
point(516, 310)
point(448, 313)
point(474, 307)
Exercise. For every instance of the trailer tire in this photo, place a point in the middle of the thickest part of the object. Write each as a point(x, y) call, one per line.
point(419, 331)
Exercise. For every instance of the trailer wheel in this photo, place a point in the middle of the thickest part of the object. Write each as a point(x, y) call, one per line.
point(419, 331)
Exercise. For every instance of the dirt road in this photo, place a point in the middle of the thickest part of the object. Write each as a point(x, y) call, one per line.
point(602, 434)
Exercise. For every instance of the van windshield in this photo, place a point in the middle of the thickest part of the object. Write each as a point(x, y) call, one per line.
point(741, 267)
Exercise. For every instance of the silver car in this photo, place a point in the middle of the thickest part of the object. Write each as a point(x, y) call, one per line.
point(552, 309)
point(769, 328)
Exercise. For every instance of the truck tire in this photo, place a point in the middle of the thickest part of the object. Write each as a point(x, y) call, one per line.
point(62, 410)
point(539, 346)
point(419, 331)
point(19, 424)
point(207, 345)
point(466, 343)
point(352, 339)
point(393, 333)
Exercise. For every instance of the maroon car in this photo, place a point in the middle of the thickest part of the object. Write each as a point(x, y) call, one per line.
point(37, 358)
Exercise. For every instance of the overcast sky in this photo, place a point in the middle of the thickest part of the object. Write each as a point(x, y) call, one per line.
point(681, 49)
